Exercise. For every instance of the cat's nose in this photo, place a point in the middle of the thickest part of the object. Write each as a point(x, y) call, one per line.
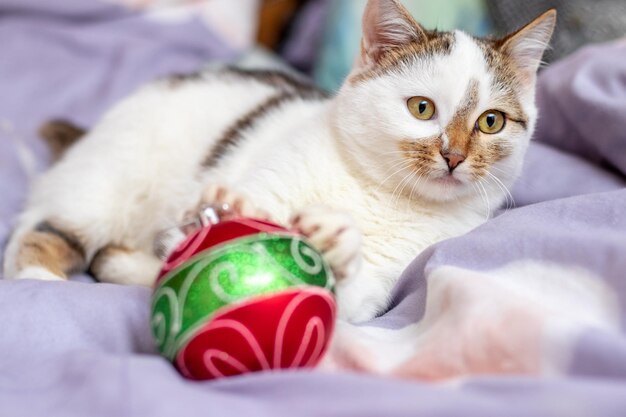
point(453, 159)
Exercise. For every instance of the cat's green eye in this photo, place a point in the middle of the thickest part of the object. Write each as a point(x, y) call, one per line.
point(491, 122)
point(421, 107)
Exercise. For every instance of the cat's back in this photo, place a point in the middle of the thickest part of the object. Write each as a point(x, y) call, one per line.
point(140, 163)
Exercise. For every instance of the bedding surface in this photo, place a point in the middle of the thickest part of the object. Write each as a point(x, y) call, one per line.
point(79, 348)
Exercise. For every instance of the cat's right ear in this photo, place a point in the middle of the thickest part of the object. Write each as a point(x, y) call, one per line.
point(527, 45)
point(387, 25)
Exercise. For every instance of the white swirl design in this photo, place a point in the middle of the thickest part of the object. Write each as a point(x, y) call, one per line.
point(300, 251)
point(214, 280)
point(165, 339)
point(314, 322)
point(211, 354)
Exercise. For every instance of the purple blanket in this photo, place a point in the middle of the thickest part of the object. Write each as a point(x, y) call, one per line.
point(83, 349)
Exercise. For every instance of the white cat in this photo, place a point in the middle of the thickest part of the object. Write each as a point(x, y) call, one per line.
point(419, 145)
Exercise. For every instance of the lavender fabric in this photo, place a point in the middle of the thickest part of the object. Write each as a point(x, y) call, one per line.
point(77, 349)
point(583, 109)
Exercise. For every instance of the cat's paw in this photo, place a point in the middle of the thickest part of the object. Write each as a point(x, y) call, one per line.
point(37, 272)
point(335, 234)
point(239, 205)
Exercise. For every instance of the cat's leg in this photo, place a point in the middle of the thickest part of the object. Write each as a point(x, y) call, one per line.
point(336, 235)
point(120, 265)
point(362, 291)
point(46, 249)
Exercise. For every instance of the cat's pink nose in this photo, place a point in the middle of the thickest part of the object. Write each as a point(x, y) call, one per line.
point(453, 159)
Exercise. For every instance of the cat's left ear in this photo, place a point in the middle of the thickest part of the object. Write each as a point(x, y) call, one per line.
point(387, 25)
point(527, 45)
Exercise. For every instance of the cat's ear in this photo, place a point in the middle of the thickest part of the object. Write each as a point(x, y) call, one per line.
point(527, 45)
point(387, 24)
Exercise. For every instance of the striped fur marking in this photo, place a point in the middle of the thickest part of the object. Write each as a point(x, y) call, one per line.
point(236, 132)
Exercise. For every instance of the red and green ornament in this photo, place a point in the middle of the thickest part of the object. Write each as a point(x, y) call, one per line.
point(241, 296)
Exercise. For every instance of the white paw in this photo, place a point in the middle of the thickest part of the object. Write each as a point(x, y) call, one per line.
point(335, 234)
point(239, 204)
point(36, 272)
point(127, 268)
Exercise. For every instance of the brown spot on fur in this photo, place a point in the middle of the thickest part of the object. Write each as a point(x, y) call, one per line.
point(436, 43)
point(60, 135)
point(103, 255)
point(459, 130)
point(51, 248)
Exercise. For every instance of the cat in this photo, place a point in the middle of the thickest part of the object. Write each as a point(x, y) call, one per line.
point(417, 146)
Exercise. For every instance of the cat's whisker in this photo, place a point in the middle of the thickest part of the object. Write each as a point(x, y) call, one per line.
point(413, 190)
point(482, 186)
point(420, 175)
point(510, 201)
point(416, 183)
point(521, 180)
point(422, 171)
point(476, 186)
point(396, 164)
point(508, 195)
point(394, 190)
point(498, 185)
point(394, 199)
point(407, 164)
point(499, 170)
point(398, 152)
point(404, 186)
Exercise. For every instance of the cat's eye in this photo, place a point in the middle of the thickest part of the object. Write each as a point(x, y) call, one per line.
point(421, 107)
point(491, 122)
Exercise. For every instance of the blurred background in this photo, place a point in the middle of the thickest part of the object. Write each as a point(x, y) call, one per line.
point(321, 37)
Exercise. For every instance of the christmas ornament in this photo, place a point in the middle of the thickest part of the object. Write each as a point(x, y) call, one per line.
point(240, 296)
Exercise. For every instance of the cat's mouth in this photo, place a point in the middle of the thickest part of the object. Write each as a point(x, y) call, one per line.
point(448, 179)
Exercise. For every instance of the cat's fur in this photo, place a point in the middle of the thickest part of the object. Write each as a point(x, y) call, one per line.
point(300, 156)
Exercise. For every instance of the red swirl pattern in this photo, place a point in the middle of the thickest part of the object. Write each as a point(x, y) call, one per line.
point(290, 329)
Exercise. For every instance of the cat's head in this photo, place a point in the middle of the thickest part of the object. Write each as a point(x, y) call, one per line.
point(440, 115)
